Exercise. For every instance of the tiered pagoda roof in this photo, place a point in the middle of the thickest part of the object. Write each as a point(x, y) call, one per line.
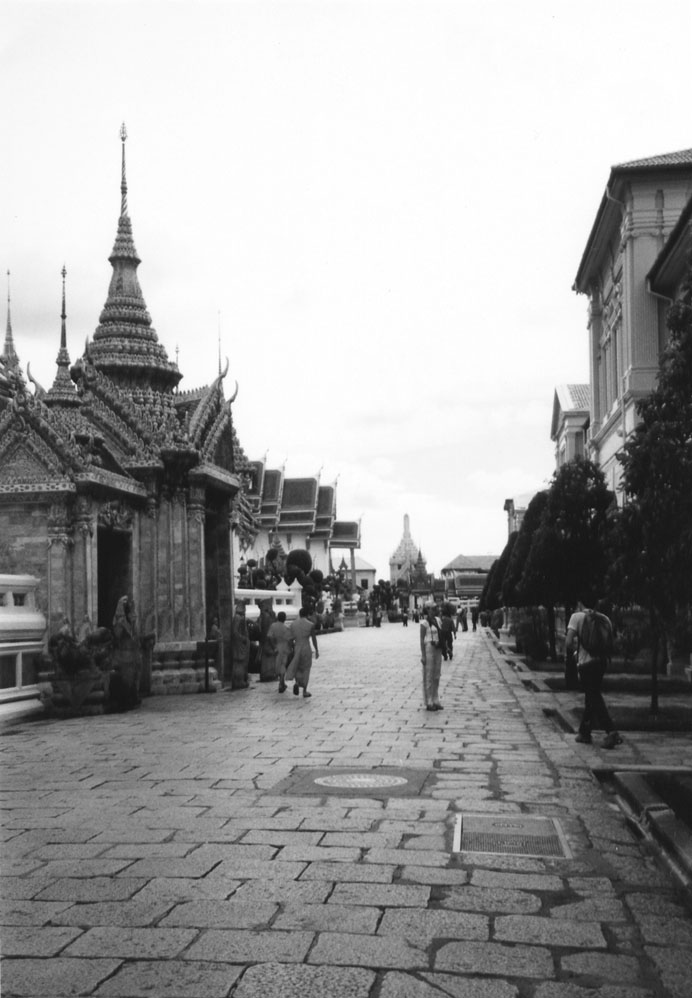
point(114, 419)
point(125, 346)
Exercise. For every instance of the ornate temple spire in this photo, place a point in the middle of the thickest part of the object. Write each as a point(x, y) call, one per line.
point(63, 389)
point(9, 354)
point(125, 346)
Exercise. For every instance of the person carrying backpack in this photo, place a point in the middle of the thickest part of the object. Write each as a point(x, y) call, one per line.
point(592, 633)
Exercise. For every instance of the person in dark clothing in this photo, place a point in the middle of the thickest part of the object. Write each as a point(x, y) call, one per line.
point(447, 633)
point(591, 667)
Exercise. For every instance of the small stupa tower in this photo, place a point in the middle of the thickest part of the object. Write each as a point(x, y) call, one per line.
point(403, 561)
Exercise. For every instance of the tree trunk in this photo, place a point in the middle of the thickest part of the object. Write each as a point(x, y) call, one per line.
point(655, 646)
point(552, 648)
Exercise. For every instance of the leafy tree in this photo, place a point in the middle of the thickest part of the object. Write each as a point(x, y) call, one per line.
point(495, 591)
point(488, 588)
point(520, 552)
point(566, 560)
point(653, 532)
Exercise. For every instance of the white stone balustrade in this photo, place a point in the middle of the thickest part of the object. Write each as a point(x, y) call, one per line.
point(286, 598)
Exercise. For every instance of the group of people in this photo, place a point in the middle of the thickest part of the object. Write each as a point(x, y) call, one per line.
point(589, 637)
point(285, 650)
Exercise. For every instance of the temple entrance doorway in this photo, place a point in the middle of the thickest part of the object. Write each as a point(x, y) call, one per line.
point(114, 572)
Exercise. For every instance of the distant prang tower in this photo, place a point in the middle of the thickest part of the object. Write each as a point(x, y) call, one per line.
point(403, 562)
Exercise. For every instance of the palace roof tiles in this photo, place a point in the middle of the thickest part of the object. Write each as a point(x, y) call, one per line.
point(471, 563)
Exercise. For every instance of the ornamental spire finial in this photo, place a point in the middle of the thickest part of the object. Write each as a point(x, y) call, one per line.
point(63, 314)
point(123, 181)
point(9, 354)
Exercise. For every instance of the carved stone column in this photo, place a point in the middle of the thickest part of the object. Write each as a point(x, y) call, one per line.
point(196, 587)
point(59, 582)
point(84, 566)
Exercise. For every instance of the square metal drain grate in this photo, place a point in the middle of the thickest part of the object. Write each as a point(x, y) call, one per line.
point(508, 834)
point(354, 782)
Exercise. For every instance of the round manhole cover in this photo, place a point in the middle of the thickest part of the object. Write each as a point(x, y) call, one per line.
point(364, 781)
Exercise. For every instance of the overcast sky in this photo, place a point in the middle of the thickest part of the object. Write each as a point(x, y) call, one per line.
point(381, 205)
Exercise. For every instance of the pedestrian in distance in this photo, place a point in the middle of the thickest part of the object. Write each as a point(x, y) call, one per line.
point(464, 619)
point(447, 630)
point(404, 617)
point(303, 633)
point(474, 616)
point(267, 650)
point(431, 656)
point(240, 648)
point(280, 640)
point(590, 632)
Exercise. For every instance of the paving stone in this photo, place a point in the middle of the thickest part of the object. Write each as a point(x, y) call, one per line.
point(517, 881)
point(328, 918)
point(46, 941)
point(664, 905)
point(562, 990)
point(131, 943)
point(381, 895)
point(213, 913)
point(548, 931)
point(96, 888)
point(422, 927)
point(21, 888)
point(594, 909)
point(674, 967)
point(319, 854)
point(119, 913)
point(366, 951)
point(363, 840)
point(283, 891)
point(187, 866)
point(170, 979)
point(591, 885)
point(495, 959)
point(400, 857)
point(608, 966)
point(634, 870)
point(667, 931)
point(241, 946)
point(433, 875)
point(257, 869)
point(24, 911)
point(275, 980)
point(72, 850)
point(188, 888)
point(281, 837)
point(491, 900)
point(396, 985)
point(55, 978)
point(353, 872)
point(144, 850)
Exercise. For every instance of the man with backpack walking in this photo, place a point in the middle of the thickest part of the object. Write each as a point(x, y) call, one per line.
point(592, 633)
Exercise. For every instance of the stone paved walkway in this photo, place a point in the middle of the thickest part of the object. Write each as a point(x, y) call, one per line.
point(172, 852)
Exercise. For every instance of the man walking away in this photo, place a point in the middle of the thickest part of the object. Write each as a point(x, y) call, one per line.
point(592, 633)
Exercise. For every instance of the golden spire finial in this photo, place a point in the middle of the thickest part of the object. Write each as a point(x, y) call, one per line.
point(123, 182)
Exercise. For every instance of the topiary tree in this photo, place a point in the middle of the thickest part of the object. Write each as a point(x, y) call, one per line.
point(298, 560)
